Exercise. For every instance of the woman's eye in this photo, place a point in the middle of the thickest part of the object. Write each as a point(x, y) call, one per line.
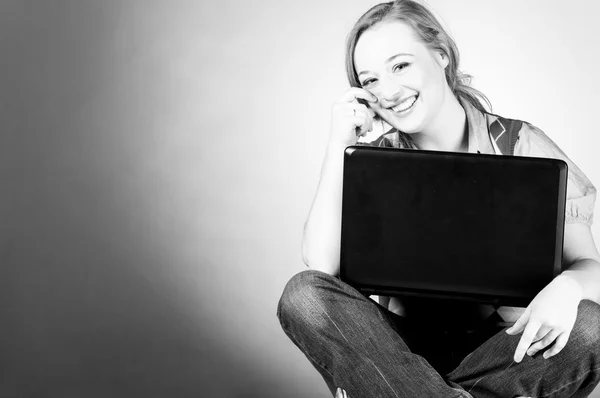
point(368, 82)
point(399, 67)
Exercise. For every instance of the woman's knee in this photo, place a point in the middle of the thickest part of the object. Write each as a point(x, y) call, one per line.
point(303, 293)
point(585, 336)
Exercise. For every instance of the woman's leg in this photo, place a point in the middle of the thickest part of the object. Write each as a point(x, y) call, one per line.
point(353, 342)
point(490, 371)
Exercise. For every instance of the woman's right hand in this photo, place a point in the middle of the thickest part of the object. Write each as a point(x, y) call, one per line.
point(350, 119)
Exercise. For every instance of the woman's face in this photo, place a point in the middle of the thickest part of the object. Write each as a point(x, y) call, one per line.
point(403, 73)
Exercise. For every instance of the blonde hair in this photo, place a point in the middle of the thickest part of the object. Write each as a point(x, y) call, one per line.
point(430, 31)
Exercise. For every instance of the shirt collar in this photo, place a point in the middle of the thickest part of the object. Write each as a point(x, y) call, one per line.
point(479, 136)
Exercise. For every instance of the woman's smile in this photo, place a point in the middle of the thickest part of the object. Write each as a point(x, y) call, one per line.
point(405, 106)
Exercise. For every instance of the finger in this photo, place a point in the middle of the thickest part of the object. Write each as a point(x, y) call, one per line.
point(543, 343)
point(355, 93)
point(520, 323)
point(526, 339)
point(358, 107)
point(561, 342)
point(353, 109)
point(367, 122)
point(361, 124)
point(361, 132)
point(338, 393)
point(361, 110)
point(544, 330)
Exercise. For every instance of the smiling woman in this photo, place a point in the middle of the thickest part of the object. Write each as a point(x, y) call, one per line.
point(403, 69)
point(407, 78)
point(158, 160)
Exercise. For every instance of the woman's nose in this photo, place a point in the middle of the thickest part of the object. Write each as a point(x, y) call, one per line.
point(391, 91)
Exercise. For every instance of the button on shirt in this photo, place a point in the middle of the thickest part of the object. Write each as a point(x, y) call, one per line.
point(581, 196)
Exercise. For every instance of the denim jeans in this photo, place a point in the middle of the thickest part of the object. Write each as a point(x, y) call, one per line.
point(360, 346)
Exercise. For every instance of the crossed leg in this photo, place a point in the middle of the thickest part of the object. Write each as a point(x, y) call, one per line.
point(353, 343)
point(362, 347)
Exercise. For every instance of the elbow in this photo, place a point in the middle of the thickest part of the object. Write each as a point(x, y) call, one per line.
point(305, 256)
point(319, 262)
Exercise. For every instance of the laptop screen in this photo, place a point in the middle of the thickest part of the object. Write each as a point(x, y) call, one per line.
point(442, 224)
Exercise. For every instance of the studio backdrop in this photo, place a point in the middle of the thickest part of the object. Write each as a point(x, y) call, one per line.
point(158, 160)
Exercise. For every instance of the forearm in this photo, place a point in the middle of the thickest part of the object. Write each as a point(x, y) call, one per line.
point(321, 241)
point(586, 272)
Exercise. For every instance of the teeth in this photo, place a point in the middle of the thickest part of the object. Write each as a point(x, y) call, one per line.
point(404, 105)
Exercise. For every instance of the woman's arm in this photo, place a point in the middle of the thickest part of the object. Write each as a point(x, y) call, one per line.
point(321, 240)
point(582, 257)
point(550, 317)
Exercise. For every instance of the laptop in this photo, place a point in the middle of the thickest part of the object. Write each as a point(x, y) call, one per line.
point(474, 227)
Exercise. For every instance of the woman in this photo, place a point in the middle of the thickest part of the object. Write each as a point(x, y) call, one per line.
point(403, 69)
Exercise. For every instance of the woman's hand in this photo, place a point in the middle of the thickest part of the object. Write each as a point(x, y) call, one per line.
point(350, 119)
point(549, 317)
point(340, 393)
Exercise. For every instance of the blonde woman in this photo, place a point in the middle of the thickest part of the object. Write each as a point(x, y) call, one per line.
point(403, 69)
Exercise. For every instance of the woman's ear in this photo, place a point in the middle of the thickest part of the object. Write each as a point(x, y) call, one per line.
point(441, 58)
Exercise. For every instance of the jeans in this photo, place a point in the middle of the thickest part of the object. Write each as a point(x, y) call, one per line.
point(360, 346)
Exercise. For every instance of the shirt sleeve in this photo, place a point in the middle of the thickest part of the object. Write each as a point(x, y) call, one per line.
point(581, 193)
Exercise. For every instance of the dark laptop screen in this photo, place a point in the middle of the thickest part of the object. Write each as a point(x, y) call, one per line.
point(484, 227)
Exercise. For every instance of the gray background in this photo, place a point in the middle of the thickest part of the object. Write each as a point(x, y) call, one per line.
point(158, 160)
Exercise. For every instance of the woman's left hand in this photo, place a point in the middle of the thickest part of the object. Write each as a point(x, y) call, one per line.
point(549, 317)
